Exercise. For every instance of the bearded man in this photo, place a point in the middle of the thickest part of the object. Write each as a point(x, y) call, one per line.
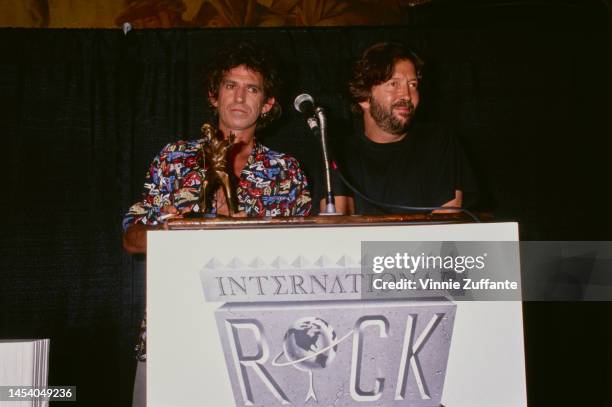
point(392, 160)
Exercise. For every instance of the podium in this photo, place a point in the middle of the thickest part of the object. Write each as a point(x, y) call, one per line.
point(274, 312)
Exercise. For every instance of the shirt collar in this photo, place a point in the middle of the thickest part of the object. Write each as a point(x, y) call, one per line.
point(258, 148)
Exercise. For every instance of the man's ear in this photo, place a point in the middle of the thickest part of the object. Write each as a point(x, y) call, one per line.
point(268, 105)
point(365, 105)
point(213, 100)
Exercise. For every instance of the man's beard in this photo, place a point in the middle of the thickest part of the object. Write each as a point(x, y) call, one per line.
point(387, 121)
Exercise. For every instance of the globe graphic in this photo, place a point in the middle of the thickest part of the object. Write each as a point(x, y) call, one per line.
point(310, 343)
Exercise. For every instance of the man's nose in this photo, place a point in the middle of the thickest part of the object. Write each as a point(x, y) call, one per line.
point(240, 94)
point(405, 92)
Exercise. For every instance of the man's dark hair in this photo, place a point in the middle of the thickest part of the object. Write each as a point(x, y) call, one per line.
point(375, 67)
point(255, 58)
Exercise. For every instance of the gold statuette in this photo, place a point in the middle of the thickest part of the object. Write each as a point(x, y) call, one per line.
point(216, 171)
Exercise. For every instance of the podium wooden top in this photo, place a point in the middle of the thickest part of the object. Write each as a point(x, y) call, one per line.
point(321, 221)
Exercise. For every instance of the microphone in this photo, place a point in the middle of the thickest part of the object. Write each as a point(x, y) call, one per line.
point(304, 104)
point(315, 117)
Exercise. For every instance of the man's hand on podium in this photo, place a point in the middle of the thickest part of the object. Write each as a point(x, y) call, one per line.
point(135, 236)
point(454, 203)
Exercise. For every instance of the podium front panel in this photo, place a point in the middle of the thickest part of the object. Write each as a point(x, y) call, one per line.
point(320, 353)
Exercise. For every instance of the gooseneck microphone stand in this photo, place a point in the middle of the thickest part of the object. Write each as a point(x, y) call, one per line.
point(330, 204)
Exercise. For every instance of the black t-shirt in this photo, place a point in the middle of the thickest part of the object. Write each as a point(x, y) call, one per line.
point(422, 170)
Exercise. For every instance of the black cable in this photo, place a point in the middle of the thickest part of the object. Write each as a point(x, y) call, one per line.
point(404, 207)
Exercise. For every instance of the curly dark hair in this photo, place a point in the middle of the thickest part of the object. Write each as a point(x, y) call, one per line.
point(375, 67)
point(255, 58)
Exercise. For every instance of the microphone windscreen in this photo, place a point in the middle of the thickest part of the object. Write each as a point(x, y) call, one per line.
point(304, 97)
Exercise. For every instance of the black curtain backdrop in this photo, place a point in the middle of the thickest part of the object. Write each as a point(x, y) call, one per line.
point(83, 112)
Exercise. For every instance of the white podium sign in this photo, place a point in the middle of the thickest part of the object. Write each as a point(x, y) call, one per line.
point(203, 351)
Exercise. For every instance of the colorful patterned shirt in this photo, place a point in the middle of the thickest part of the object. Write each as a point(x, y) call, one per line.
point(270, 184)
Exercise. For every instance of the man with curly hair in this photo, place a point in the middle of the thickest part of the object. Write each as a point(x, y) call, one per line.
point(243, 84)
point(393, 161)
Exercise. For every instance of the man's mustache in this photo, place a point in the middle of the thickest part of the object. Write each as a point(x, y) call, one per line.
point(403, 104)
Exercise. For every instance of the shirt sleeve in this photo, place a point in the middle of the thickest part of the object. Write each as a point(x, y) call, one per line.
point(155, 195)
point(301, 202)
point(466, 181)
point(455, 172)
